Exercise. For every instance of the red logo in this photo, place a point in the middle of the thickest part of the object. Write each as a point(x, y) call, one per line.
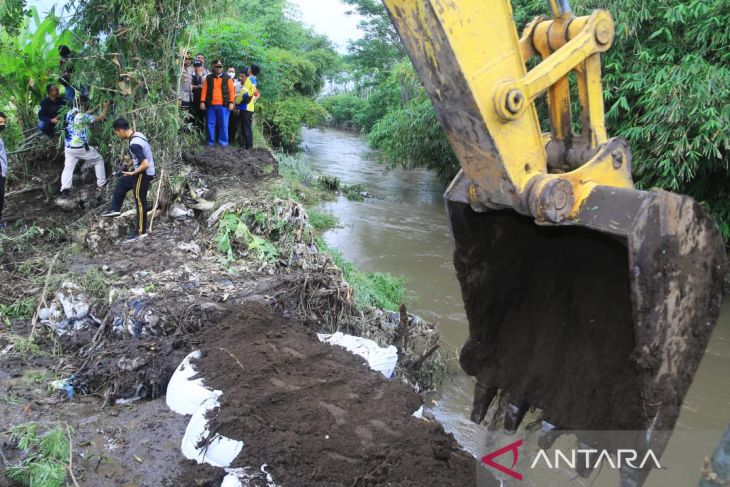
point(513, 447)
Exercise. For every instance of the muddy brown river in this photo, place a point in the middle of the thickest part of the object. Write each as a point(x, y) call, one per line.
point(405, 232)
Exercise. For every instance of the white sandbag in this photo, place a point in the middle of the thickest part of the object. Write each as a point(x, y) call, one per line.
point(243, 477)
point(184, 394)
point(381, 359)
point(217, 451)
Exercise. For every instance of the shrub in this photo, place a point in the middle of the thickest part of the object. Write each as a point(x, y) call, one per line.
point(344, 110)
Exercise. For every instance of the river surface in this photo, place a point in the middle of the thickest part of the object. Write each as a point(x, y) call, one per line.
point(406, 233)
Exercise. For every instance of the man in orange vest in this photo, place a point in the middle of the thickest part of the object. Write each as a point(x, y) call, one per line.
point(217, 98)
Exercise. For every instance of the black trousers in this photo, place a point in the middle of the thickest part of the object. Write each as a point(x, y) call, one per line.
point(233, 122)
point(2, 196)
point(247, 127)
point(139, 184)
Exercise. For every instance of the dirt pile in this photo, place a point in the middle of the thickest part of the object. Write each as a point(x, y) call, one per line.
point(250, 166)
point(316, 413)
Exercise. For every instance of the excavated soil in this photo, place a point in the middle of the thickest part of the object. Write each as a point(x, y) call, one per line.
point(248, 165)
point(316, 414)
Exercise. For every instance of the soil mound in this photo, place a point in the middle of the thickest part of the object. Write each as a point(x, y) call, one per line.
point(248, 165)
point(316, 413)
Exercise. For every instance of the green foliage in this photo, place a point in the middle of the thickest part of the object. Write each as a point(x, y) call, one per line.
point(233, 231)
point(11, 15)
point(328, 183)
point(321, 221)
point(95, 283)
point(30, 62)
point(380, 47)
point(46, 456)
point(353, 192)
point(667, 84)
point(21, 309)
point(296, 167)
point(24, 347)
point(413, 137)
point(285, 117)
point(376, 289)
point(344, 110)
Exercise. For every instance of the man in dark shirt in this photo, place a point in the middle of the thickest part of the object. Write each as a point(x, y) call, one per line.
point(66, 67)
point(48, 114)
point(138, 179)
point(197, 84)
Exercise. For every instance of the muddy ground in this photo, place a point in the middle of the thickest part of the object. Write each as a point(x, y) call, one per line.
point(173, 293)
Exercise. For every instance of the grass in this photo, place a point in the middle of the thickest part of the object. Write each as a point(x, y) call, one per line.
point(46, 455)
point(371, 289)
point(24, 347)
point(354, 192)
point(95, 283)
point(320, 220)
point(300, 183)
point(21, 309)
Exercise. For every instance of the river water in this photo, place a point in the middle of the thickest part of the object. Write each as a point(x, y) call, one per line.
point(406, 234)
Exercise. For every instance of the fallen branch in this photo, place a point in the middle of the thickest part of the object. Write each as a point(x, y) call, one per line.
point(23, 191)
point(418, 363)
point(401, 334)
point(42, 301)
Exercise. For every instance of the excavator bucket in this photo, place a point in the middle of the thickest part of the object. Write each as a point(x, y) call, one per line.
point(586, 298)
point(601, 324)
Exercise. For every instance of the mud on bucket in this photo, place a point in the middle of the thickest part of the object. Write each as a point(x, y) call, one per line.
point(600, 323)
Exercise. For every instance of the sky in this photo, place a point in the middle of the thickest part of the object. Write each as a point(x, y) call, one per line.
point(328, 17)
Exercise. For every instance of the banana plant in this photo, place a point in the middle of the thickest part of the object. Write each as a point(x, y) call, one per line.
point(28, 62)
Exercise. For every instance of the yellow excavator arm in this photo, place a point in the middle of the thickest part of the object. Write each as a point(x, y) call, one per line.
point(588, 301)
point(473, 65)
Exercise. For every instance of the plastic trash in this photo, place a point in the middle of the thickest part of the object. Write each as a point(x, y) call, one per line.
point(178, 211)
point(75, 307)
point(65, 385)
point(381, 359)
point(242, 477)
point(419, 413)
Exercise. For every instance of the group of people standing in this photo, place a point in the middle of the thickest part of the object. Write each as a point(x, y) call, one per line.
point(221, 102)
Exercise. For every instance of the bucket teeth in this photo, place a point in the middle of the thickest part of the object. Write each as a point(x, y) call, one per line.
point(483, 397)
point(514, 416)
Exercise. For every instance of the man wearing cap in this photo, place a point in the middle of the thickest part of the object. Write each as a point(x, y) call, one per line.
point(197, 85)
point(77, 148)
point(217, 100)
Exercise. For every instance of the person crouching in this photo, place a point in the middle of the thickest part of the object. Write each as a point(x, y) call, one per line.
point(137, 180)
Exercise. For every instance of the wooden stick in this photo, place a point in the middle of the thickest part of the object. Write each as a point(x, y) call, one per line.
point(71, 455)
point(157, 198)
point(42, 301)
point(23, 191)
point(424, 357)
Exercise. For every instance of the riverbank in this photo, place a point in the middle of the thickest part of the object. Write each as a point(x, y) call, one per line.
point(150, 304)
point(406, 233)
